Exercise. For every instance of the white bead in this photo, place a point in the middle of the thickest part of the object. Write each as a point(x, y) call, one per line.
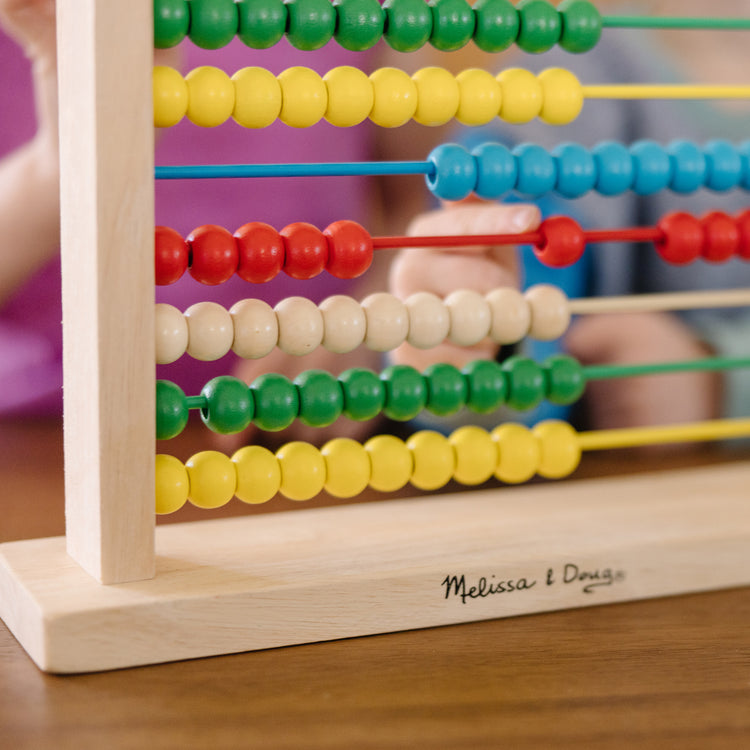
point(470, 317)
point(550, 312)
point(344, 323)
point(256, 329)
point(300, 325)
point(387, 321)
point(511, 316)
point(171, 334)
point(429, 321)
point(210, 331)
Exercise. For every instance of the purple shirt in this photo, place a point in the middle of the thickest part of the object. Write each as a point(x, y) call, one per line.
point(30, 330)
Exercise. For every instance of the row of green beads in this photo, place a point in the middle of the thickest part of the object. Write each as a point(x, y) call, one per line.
point(400, 392)
point(406, 25)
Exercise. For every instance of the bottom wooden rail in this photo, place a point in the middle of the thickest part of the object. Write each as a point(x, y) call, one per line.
point(239, 584)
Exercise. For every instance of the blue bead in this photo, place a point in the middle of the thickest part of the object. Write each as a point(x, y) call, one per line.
point(455, 173)
point(496, 170)
point(653, 169)
point(537, 172)
point(744, 152)
point(614, 167)
point(576, 170)
point(724, 165)
point(689, 166)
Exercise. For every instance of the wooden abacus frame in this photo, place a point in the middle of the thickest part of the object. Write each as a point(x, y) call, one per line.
point(90, 601)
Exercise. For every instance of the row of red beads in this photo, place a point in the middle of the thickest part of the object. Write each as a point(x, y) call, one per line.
point(256, 252)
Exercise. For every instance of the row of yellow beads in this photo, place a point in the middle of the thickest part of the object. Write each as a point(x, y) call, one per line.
point(345, 468)
point(345, 96)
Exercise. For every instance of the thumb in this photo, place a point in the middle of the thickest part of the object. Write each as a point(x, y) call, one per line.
point(592, 339)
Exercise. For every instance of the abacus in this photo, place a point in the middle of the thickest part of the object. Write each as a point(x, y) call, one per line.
point(117, 591)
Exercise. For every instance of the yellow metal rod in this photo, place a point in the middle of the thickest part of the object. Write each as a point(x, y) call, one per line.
point(719, 429)
point(660, 91)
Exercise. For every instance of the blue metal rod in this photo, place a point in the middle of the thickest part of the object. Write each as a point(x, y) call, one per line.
point(323, 169)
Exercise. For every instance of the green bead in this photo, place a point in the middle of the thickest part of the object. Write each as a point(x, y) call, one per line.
point(364, 393)
point(321, 400)
point(486, 386)
point(310, 23)
point(540, 26)
point(171, 22)
point(447, 389)
point(262, 23)
point(581, 25)
point(497, 25)
point(405, 392)
point(359, 23)
point(213, 23)
point(171, 410)
point(408, 24)
point(229, 405)
point(565, 379)
point(527, 385)
point(453, 24)
point(276, 401)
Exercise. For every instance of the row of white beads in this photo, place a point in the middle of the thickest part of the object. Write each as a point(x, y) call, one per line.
point(382, 322)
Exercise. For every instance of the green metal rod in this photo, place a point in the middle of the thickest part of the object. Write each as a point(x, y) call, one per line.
point(711, 364)
point(675, 22)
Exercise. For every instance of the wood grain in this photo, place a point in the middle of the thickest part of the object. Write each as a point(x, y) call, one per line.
point(106, 165)
point(659, 674)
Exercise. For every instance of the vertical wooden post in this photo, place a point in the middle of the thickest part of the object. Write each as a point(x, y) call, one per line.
point(105, 53)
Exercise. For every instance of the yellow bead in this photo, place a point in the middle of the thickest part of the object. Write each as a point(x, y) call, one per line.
point(391, 463)
point(257, 100)
point(213, 479)
point(170, 96)
point(562, 96)
point(347, 467)
point(476, 455)
point(434, 460)
point(559, 450)
point(303, 470)
point(437, 96)
point(522, 96)
point(172, 484)
point(518, 453)
point(210, 96)
point(395, 97)
point(479, 97)
point(350, 96)
point(304, 98)
point(258, 474)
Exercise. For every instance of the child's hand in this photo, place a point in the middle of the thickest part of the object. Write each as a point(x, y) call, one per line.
point(648, 400)
point(32, 24)
point(443, 270)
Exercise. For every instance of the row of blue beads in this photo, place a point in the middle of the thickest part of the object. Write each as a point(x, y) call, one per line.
point(610, 168)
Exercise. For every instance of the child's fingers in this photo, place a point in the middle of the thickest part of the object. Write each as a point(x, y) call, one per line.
point(476, 218)
point(430, 270)
point(447, 353)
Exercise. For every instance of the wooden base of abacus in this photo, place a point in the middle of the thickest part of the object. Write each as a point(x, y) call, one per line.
point(240, 584)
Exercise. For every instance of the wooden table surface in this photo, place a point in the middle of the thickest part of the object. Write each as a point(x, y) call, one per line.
point(671, 673)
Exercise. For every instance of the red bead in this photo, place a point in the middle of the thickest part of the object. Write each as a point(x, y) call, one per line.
point(682, 238)
point(562, 242)
point(722, 237)
point(170, 256)
point(743, 227)
point(306, 250)
point(261, 251)
point(213, 254)
point(349, 249)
